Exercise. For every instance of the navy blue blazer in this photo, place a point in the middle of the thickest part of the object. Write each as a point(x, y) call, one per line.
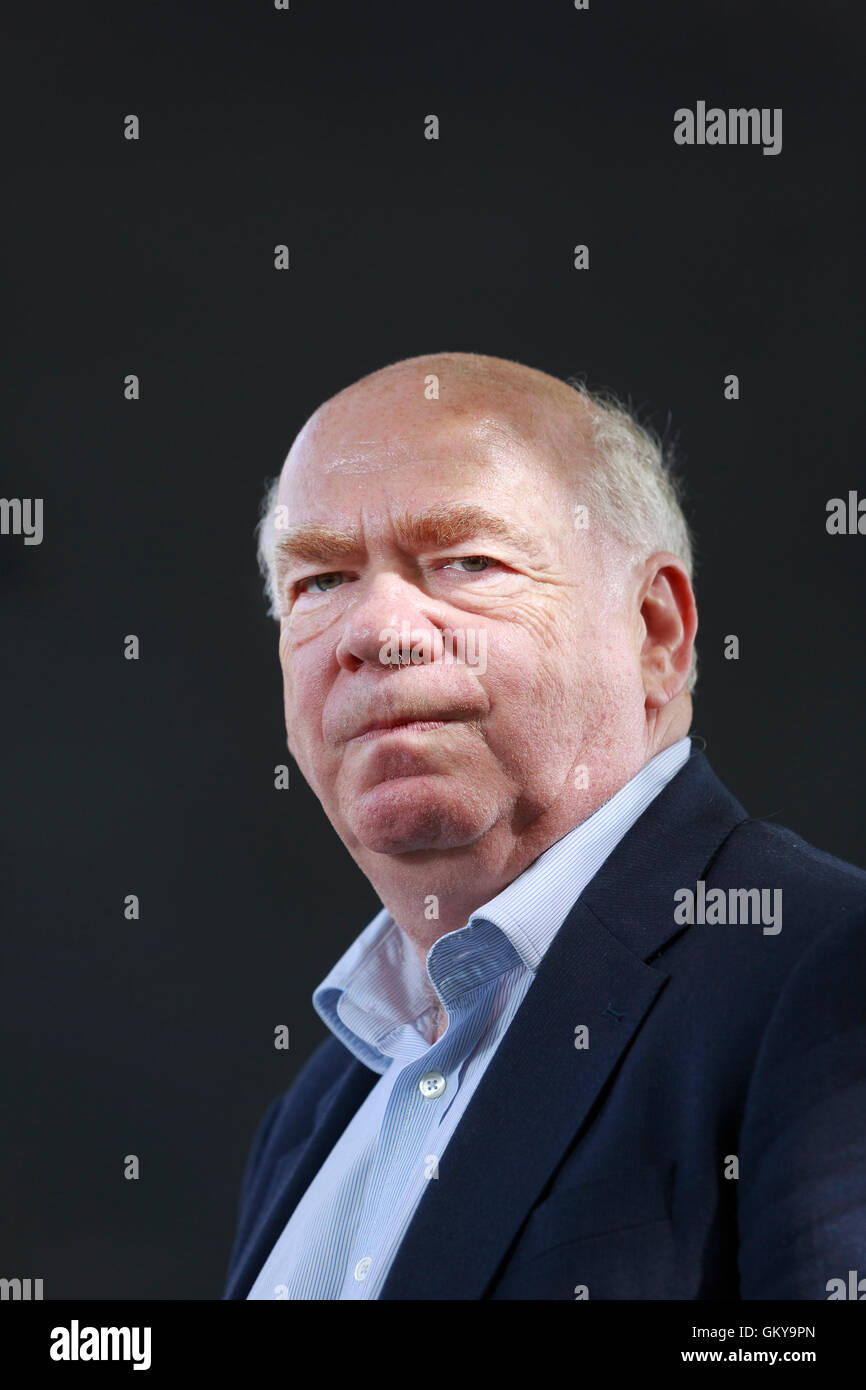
point(709, 1143)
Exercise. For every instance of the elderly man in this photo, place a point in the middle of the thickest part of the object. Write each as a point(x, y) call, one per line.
point(607, 1036)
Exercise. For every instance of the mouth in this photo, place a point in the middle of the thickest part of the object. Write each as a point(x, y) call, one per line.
point(380, 728)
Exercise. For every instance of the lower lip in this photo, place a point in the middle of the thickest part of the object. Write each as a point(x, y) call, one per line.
point(417, 728)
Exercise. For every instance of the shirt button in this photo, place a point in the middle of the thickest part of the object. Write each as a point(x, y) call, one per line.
point(432, 1085)
point(362, 1269)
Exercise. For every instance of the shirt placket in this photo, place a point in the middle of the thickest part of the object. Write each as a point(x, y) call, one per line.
point(417, 1106)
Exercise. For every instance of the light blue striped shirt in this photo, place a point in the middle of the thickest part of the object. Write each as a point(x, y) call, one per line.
point(380, 1001)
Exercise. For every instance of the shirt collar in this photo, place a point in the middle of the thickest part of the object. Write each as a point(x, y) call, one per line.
point(379, 986)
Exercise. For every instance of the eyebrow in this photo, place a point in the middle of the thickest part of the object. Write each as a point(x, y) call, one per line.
point(436, 528)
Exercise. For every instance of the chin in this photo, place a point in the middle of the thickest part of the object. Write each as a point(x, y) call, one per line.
point(416, 813)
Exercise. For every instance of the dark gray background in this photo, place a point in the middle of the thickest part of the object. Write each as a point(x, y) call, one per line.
point(156, 777)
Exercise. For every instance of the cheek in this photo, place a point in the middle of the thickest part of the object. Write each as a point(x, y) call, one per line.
point(558, 673)
point(287, 670)
point(536, 664)
point(303, 694)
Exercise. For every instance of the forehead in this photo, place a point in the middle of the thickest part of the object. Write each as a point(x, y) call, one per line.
point(414, 449)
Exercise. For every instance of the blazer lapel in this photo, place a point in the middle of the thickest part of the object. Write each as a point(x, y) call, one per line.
point(531, 1101)
point(295, 1170)
point(538, 1090)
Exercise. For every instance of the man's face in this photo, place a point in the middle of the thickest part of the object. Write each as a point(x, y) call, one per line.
point(454, 646)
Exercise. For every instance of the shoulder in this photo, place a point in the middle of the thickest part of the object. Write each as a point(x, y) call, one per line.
point(771, 846)
point(814, 891)
point(773, 939)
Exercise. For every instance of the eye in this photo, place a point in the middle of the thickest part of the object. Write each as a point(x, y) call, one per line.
point(321, 583)
point(477, 563)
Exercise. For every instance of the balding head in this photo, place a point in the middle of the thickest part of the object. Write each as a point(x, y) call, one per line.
point(472, 501)
point(394, 410)
point(462, 383)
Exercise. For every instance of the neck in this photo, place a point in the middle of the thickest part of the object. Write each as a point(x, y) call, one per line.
point(431, 893)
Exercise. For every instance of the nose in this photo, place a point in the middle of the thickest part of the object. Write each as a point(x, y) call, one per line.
point(387, 620)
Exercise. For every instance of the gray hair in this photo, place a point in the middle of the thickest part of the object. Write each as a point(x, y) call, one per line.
point(632, 489)
point(265, 545)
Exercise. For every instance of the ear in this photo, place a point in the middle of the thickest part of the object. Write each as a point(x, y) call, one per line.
point(670, 621)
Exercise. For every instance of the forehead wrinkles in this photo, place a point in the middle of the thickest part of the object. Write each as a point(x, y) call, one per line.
point(478, 443)
point(366, 456)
